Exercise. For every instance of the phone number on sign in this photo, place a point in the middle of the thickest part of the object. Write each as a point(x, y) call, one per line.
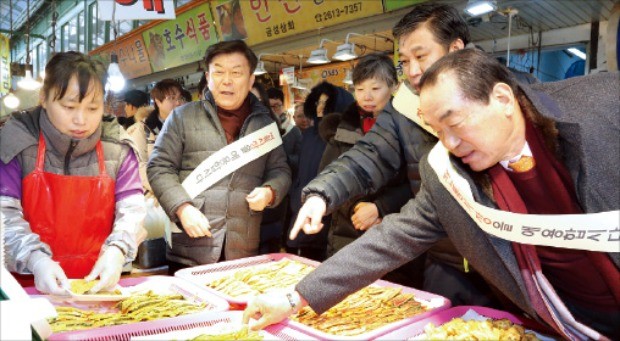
point(337, 12)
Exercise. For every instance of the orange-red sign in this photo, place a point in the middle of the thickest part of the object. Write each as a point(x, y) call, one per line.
point(132, 57)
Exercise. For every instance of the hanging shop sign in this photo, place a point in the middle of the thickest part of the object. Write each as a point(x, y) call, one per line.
point(135, 9)
point(333, 73)
point(180, 41)
point(5, 65)
point(132, 57)
point(258, 21)
point(288, 75)
point(391, 5)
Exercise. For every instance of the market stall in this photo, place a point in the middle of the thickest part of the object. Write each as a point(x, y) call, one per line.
point(207, 301)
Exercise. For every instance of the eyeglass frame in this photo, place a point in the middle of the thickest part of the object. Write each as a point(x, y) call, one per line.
point(175, 99)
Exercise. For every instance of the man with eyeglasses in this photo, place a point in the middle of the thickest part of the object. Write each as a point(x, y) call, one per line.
point(276, 103)
point(218, 164)
point(291, 138)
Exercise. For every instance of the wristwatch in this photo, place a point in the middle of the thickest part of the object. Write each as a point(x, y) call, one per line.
point(294, 300)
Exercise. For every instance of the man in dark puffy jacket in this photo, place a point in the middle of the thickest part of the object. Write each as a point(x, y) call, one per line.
point(427, 33)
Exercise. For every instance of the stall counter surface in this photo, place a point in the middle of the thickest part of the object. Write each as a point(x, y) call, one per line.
point(193, 281)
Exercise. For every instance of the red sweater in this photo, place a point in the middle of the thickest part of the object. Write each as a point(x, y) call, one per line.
point(232, 120)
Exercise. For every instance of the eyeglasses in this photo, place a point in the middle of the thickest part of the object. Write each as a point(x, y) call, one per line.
point(175, 99)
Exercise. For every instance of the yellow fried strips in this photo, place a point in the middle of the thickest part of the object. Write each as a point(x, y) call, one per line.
point(459, 329)
point(81, 287)
point(139, 307)
point(242, 334)
point(363, 311)
point(260, 279)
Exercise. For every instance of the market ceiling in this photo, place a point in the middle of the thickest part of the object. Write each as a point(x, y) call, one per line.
point(533, 16)
point(19, 13)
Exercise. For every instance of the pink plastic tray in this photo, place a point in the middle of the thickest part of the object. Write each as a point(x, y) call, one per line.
point(273, 332)
point(417, 328)
point(439, 304)
point(215, 304)
point(201, 275)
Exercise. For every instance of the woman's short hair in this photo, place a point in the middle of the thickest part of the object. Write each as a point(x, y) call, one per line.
point(376, 65)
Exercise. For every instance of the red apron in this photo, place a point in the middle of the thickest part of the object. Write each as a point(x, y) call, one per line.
point(72, 214)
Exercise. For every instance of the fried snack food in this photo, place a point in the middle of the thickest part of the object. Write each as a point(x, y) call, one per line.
point(81, 287)
point(459, 329)
point(137, 308)
point(260, 279)
point(363, 311)
point(242, 334)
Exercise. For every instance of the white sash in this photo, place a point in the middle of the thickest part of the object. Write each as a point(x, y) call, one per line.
point(407, 103)
point(232, 157)
point(592, 231)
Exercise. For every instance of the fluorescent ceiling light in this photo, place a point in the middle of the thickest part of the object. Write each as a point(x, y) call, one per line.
point(298, 85)
point(28, 82)
point(318, 56)
point(480, 7)
point(11, 101)
point(116, 81)
point(348, 78)
point(345, 52)
point(575, 51)
point(260, 68)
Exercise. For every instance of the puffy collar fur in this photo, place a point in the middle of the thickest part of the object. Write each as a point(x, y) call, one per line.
point(348, 120)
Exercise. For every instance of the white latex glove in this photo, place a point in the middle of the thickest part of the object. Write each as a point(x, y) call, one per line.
point(270, 308)
point(108, 268)
point(309, 216)
point(259, 198)
point(150, 195)
point(193, 221)
point(49, 277)
point(366, 215)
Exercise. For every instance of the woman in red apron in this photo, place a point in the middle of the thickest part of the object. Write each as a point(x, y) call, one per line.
point(72, 203)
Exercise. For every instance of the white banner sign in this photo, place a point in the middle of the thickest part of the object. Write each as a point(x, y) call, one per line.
point(232, 157)
point(592, 231)
point(289, 75)
point(135, 9)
